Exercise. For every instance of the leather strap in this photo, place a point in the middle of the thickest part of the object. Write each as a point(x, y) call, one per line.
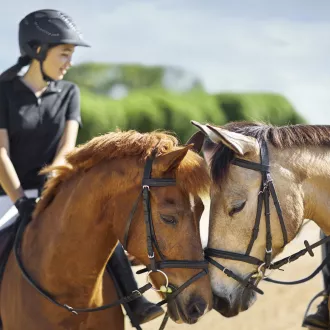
point(129, 222)
point(188, 264)
point(209, 252)
point(246, 283)
point(154, 182)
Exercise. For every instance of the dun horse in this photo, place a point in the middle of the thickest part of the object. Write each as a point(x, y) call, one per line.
point(126, 186)
point(265, 181)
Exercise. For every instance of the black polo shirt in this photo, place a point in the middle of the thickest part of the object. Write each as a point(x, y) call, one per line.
point(35, 125)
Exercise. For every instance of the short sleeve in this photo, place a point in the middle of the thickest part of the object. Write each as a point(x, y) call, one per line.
point(73, 112)
point(3, 109)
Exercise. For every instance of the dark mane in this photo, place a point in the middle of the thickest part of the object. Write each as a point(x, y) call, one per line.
point(280, 137)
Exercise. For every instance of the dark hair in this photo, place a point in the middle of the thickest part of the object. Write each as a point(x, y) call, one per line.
point(12, 72)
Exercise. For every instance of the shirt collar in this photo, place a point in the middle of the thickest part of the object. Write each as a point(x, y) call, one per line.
point(21, 87)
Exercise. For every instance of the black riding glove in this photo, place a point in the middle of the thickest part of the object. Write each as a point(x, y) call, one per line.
point(25, 206)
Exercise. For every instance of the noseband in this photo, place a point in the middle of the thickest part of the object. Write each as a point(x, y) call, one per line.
point(267, 189)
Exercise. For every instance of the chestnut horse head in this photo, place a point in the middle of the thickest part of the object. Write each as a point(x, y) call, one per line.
point(140, 189)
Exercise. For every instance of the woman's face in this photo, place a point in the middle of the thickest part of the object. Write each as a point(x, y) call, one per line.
point(58, 61)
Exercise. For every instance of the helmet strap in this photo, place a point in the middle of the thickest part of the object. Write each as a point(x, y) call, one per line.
point(45, 77)
point(41, 56)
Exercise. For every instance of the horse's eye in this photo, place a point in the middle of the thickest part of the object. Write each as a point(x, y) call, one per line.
point(237, 208)
point(168, 219)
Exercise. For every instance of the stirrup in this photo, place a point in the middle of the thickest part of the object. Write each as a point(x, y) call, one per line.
point(323, 293)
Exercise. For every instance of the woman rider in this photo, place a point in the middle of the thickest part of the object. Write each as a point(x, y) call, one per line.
point(39, 122)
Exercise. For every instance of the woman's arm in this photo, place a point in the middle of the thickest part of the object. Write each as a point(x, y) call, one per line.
point(8, 176)
point(67, 142)
point(72, 124)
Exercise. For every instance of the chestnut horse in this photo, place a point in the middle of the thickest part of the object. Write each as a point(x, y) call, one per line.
point(83, 212)
point(265, 181)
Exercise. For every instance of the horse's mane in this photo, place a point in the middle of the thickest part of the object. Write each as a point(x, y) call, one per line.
point(280, 137)
point(191, 175)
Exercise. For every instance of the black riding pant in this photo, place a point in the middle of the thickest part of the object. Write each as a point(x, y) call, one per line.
point(326, 268)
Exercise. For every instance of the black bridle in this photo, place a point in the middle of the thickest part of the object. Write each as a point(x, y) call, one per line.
point(154, 266)
point(267, 189)
point(157, 266)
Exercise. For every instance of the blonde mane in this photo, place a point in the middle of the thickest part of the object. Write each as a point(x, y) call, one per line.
point(191, 175)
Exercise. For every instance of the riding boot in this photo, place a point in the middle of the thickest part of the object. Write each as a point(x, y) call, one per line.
point(320, 320)
point(142, 309)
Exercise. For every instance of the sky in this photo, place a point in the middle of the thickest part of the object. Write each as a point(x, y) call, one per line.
point(278, 46)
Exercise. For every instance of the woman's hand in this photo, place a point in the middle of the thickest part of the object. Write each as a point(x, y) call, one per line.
point(25, 206)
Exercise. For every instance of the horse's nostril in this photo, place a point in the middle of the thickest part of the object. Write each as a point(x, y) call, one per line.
point(196, 309)
point(220, 303)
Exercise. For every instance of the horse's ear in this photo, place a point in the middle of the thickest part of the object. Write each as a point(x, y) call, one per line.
point(197, 140)
point(171, 160)
point(206, 131)
point(239, 143)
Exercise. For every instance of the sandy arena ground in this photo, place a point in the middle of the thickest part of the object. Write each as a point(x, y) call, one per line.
point(281, 307)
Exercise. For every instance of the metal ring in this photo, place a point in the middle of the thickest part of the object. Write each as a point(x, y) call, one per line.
point(263, 274)
point(159, 271)
point(259, 268)
point(270, 272)
point(259, 273)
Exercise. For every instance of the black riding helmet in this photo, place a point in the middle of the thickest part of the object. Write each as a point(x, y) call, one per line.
point(45, 29)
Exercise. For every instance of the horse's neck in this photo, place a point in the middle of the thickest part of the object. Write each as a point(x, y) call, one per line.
point(69, 244)
point(312, 169)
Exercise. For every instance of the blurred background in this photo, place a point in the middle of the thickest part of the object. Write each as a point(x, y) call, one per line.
point(160, 63)
point(157, 64)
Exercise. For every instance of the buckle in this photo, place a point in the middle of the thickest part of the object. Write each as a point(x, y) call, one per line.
point(137, 292)
point(70, 309)
point(269, 251)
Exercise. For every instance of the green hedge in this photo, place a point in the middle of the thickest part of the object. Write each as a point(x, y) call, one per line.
point(152, 104)
point(100, 114)
point(266, 107)
point(150, 109)
point(145, 111)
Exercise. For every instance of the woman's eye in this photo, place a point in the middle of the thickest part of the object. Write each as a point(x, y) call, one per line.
point(169, 219)
point(237, 208)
